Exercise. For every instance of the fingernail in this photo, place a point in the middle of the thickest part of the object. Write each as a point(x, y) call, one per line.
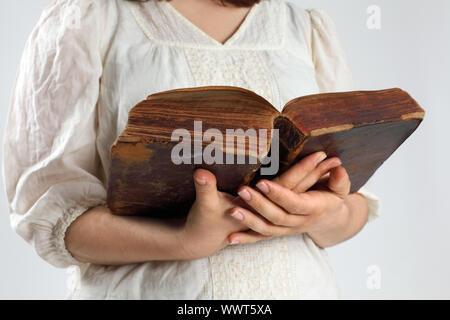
point(333, 164)
point(234, 241)
point(321, 157)
point(244, 194)
point(237, 215)
point(200, 182)
point(263, 187)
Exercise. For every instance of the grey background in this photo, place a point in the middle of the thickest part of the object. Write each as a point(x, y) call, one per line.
point(410, 243)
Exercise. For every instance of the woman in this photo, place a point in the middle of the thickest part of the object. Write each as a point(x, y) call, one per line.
point(87, 63)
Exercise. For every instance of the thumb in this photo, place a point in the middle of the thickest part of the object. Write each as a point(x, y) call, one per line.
point(205, 187)
point(339, 181)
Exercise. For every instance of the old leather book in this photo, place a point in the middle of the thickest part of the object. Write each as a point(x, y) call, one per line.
point(363, 128)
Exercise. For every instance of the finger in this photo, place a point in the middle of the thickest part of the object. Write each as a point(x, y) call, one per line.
point(269, 210)
point(339, 182)
point(300, 170)
point(233, 201)
point(246, 237)
point(313, 177)
point(296, 204)
point(257, 223)
point(324, 178)
point(205, 187)
point(321, 185)
point(239, 202)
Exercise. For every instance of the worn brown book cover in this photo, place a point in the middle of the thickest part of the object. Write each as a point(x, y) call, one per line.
point(153, 160)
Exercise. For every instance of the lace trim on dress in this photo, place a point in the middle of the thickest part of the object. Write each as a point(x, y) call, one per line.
point(237, 68)
point(260, 270)
point(59, 231)
point(260, 31)
point(255, 271)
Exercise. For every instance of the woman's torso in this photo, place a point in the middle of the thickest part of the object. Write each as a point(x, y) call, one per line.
point(149, 47)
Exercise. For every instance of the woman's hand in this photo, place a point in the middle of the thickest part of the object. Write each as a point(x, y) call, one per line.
point(99, 237)
point(209, 223)
point(328, 215)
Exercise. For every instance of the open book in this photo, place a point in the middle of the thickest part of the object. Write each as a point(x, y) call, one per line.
point(241, 138)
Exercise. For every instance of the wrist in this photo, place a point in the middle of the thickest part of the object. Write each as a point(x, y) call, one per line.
point(164, 240)
point(332, 232)
point(344, 215)
point(185, 244)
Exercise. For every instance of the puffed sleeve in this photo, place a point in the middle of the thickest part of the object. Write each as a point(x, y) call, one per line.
point(50, 161)
point(334, 75)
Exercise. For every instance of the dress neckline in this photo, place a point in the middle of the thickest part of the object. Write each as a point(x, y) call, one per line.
point(263, 28)
point(195, 28)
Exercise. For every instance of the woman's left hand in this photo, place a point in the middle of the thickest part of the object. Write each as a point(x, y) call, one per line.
point(284, 205)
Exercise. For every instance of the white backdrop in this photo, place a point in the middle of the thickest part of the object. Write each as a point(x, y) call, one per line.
point(408, 248)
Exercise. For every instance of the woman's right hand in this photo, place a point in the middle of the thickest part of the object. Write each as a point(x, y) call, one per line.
point(99, 237)
point(208, 223)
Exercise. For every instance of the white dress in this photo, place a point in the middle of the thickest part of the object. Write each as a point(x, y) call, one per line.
point(77, 81)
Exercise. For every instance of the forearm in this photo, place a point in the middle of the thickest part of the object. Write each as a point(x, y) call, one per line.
point(100, 237)
point(346, 224)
